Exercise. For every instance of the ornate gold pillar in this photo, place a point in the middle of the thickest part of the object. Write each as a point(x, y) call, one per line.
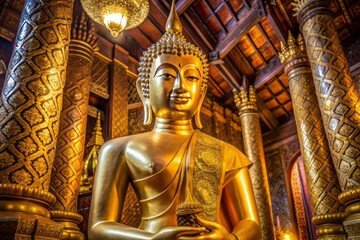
point(338, 101)
point(322, 182)
point(254, 150)
point(29, 115)
point(66, 173)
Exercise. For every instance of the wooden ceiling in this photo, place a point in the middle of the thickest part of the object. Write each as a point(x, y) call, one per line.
point(240, 37)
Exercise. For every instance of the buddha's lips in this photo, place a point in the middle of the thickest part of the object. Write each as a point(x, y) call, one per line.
point(180, 99)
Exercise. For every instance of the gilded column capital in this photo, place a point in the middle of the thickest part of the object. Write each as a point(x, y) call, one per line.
point(293, 53)
point(84, 30)
point(305, 9)
point(83, 39)
point(245, 101)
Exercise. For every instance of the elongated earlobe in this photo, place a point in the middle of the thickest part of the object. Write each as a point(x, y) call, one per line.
point(146, 104)
point(147, 112)
point(198, 110)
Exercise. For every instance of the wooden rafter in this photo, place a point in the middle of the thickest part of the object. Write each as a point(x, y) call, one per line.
point(182, 5)
point(239, 30)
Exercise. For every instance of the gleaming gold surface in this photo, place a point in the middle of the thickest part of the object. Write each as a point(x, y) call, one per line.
point(337, 96)
point(173, 163)
point(329, 226)
point(30, 107)
point(117, 15)
point(322, 182)
point(30, 112)
point(66, 172)
point(254, 150)
point(351, 223)
point(338, 99)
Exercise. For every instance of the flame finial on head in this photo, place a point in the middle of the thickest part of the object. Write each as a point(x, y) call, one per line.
point(173, 21)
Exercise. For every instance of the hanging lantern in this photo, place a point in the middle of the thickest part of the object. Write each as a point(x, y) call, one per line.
point(117, 15)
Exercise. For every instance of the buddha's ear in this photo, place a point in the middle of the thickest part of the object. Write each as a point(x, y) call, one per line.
point(198, 110)
point(146, 104)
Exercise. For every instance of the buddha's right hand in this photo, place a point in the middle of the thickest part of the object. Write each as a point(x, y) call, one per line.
point(172, 233)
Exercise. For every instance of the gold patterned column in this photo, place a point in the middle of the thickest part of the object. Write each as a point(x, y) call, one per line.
point(322, 182)
point(66, 173)
point(338, 101)
point(254, 150)
point(30, 109)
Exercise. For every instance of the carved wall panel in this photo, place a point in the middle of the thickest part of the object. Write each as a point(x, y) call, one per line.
point(279, 196)
point(100, 77)
point(119, 101)
point(299, 203)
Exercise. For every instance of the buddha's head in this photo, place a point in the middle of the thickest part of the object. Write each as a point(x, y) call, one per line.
point(173, 76)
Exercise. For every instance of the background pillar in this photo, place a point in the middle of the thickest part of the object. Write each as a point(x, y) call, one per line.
point(30, 109)
point(66, 173)
point(338, 102)
point(322, 182)
point(254, 150)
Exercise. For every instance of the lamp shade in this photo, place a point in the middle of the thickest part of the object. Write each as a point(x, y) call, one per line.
point(117, 15)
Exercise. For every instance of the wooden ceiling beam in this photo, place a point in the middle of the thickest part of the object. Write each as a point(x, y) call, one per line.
point(239, 30)
point(266, 115)
point(276, 25)
point(273, 68)
point(182, 5)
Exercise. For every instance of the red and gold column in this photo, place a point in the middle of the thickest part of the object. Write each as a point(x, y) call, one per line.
point(322, 182)
point(254, 150)
point(338, 101)
point(66, 173)
point(30, 108)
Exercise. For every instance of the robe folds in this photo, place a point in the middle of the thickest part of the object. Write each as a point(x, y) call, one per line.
point(202, 166)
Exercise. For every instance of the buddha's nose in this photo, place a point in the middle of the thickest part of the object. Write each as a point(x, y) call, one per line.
point(179, 85)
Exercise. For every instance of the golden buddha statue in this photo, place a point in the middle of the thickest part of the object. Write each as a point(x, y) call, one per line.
point(189, 185)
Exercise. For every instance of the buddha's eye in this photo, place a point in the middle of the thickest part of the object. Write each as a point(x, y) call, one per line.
point(165, 73)
point(192, 74)
point(166, 76)
point(192, 78)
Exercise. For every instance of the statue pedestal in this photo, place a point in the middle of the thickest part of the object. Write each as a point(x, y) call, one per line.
point(28, 226)
point(70, 221)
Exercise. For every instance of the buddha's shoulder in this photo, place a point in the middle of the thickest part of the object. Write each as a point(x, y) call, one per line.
point(212, 141)
point(121, 143)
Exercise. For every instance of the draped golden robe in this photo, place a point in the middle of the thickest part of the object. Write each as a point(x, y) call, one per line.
point(204, 164)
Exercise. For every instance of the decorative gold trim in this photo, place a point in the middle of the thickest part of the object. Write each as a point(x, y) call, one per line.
point(350, 196)
point(328, 218)
point(66, 216)
point(22, 206)
point(103, 57)
point(19, 191)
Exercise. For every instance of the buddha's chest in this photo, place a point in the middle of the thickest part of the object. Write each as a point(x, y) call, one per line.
point(153, 159)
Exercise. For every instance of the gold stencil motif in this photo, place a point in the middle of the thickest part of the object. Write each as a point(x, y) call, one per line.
point(31, 98)
point(322, 183)
point(119, 98)
point(336, 92)
point(207, 179)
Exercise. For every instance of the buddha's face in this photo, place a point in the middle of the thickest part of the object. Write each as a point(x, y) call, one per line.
point(175, 86)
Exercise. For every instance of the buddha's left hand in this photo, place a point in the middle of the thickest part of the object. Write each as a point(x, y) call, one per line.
point(216, 231)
